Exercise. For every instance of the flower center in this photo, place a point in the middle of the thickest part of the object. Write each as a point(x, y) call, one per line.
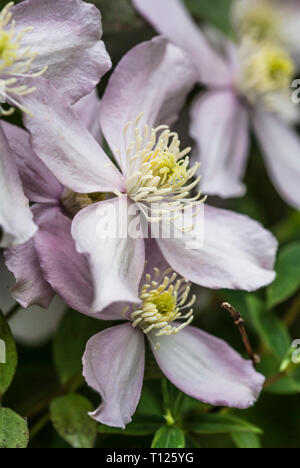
point(158, 170)
point(15, 61)
point(164, 301)
point(266, 68)
point(258, 19)
point(74, 202)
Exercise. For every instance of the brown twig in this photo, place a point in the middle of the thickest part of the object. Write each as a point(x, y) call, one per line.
point(240, 323)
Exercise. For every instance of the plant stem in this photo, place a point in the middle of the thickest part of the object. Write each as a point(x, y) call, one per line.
point(274, 378)
point(13, 311)
point(293, 312)
point(41, 423)
point(71, 386)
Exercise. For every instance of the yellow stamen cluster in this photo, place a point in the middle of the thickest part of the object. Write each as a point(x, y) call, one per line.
point(74, 202)
point(164, 300)
point(259, 20)
point(158, 171)
point(15, 61)
point(267, 69)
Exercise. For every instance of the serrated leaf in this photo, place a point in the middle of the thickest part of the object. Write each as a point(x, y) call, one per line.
point(13, 430)
point(8, 353)
point(246, 440)
point(220, 424)
point(70, 342)
point(272, 331)
point(141, 426)
point(288, 275)
point(169, 437)
point(69, 415)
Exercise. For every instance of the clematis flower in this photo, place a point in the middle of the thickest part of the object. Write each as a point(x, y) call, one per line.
point(237, 252)
point(249, 84)
point(57, 39)
point(199, 364)
point(48, 262)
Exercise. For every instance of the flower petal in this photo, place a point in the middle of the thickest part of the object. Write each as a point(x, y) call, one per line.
point(39, 183)
point(206, 368)
point(233, 252)
point(63, 267)
point(116, 260)
point(171, 19)
point(88, 109)
point(153, 78)
point(31, 287)
point(15, 215)
point(63, 143)
point(113, 365)
point(66, 38)
point(281, 149)
point(220, 129)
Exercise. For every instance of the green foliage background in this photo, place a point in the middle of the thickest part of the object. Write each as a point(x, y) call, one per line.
point(48, 389)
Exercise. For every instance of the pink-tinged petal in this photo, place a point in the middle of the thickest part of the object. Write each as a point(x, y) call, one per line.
point(232, 252)
point(171, 19)
point(66, 38)
point(33, 326)
point(116, 259)
point(65, 145)
point(39, 183)
point(31, 287)
point(154, 78)
point(154, 258)
point(220, 129)
point(113, 365)
point(281, 150)
point(63, 267)
point(88, 109)
point(206, 368)
point(16, 223)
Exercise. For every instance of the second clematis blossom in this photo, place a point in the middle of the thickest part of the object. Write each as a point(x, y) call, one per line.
point(249, 83)
point(61, 41)
point(200, 365)
point(136, 110)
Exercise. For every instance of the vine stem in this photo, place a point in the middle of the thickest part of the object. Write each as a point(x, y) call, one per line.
point(293, 312)
point(13, 311)
point(71, 386)
point(39, 426)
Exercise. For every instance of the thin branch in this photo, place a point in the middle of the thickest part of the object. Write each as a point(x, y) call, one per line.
point(240, 323)
point(13, 311)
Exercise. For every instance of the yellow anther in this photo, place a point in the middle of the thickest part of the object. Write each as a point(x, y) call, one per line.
point(15, 61)
point(161, 309)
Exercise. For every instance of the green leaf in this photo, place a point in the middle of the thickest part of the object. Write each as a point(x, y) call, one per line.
point(246, 440)
point(169, 437)
point(142, 426)
point(216, 12)
point(272, 331)
point(220, 424)
point(70, 342)
point(13, 430)
point(69, 415)
point(288, 275)
point(8, 353)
